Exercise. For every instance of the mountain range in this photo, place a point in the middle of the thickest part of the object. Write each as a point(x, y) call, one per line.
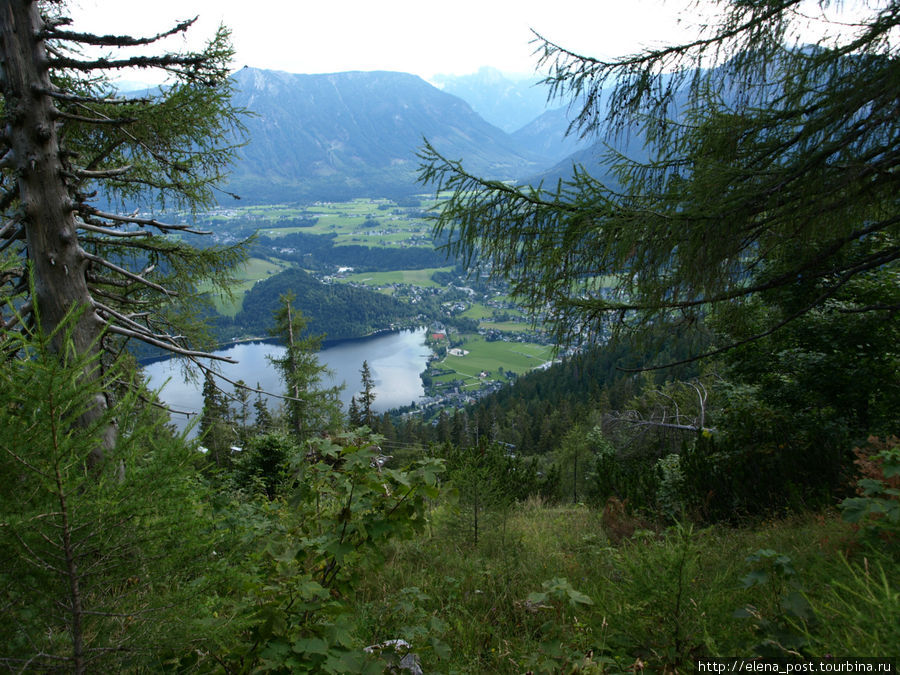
point(509, 103)
point(342, 135)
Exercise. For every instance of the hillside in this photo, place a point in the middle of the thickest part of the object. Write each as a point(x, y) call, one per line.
point(340, 135)
point(333, 309)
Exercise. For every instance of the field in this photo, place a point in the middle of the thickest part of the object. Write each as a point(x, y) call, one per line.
point(518, 357)
point(420, 278)
point(255, 270)
point(507, 326)
point(365, 222)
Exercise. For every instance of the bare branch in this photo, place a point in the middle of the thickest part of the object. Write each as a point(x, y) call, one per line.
point(115, 40)
point(163, 227)
point(9, 227)
point(72, 98)
point(130, 275)
point(106, 173)
point(144, 337)
point(112, 233)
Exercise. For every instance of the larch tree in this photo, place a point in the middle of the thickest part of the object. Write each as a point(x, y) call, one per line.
point(72, 149)
point(367, 395)
point(771, 176)
point(310, 407)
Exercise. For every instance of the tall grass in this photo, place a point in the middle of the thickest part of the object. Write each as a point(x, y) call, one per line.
point(658, 600)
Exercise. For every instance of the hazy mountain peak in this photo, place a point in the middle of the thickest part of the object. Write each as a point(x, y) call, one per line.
point(505, 101)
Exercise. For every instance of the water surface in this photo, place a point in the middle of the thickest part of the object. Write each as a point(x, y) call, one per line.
point(395, 360)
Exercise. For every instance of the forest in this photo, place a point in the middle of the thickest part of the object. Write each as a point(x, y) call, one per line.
point(336, 310)
point(714, 472)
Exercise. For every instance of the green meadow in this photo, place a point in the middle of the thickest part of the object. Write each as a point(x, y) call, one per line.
point(517, 357)
point(421, 278)
point(255, 270)
point(351, 222)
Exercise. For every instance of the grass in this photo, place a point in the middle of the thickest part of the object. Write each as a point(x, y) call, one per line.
point(255, 270)
point(420, 278)
point(519, 357)
point(660, 599)
point(507, 326)
point(349, 221)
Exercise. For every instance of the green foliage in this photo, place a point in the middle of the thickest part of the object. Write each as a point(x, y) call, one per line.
point(627, 476)
point(877, 510)
point(337, 310)
point(263, 465)
point(310, 408)
point(660, 601)
point(858, 610)
point(367, 396)
point(559, 592)
point(309, 548)
point(216, 432)
point(486, 480)
point(668, 597)
point(784, 614)
point(103, 563)
point(670, 495)
point(736, 131)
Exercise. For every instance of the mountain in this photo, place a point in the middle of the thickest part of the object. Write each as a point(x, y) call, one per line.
point(342, 135)
point(547, 135)
point(506, 103)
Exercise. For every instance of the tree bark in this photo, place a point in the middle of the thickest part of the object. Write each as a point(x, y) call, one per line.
point(58, 262)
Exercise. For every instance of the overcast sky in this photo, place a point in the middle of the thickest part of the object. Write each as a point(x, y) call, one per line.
point(425, 37)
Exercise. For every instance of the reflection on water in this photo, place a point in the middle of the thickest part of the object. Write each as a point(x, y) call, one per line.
point(395, 359)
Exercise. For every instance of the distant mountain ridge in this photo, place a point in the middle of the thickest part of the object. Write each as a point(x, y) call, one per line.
point(507, 103)
point(342, 135)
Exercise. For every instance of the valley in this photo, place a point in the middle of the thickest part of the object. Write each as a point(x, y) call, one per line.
point(479, 337)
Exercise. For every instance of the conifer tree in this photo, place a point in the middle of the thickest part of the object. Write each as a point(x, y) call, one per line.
point(263, 419)
point(72, 148)
point(215, 423)
point(103, 570)
point(241, 413)
point(353, 413)
point(367, 396)
point(772, 168)
point(310, 408)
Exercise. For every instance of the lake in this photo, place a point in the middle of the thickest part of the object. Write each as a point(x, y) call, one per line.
point(395, 360)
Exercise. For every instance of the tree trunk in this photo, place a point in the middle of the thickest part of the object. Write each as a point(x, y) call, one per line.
point(58, 261)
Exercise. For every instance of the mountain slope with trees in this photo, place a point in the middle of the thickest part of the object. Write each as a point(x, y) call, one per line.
point(763, 214)
point(342, 135)
point(337, 310)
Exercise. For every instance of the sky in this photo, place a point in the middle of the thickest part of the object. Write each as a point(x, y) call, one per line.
point(424, 37)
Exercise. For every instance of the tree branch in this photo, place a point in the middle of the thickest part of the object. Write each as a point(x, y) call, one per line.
point(131, 275)
point(168, 61)
point(181, 351)
point(114, 40)
point(163, 227)
point(97, 120)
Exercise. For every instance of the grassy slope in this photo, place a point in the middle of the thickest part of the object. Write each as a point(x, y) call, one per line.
point(483, 355)
point(421, 278)
point(255, 270)
point(663, 599)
